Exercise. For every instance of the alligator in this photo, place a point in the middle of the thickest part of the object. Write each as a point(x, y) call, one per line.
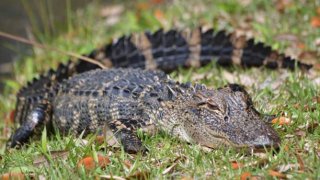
point(135, 93)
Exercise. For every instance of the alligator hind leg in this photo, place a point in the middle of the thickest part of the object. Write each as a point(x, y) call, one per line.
point(36, 119)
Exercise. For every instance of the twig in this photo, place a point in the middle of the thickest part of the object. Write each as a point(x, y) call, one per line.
point(26, 41)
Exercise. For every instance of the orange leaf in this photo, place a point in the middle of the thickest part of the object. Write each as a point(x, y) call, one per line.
point(103, 161)
point(281, 121)
point(245, 176)
point(89, 164)
point(315, 22)
point(157, 1)
point(99, 140)
point(12, 175)
point(277, 174)
point(301, 45)
point(143, 6)
point(236, 165)
point(12, 116)
point(158, 14)
point(127, 163)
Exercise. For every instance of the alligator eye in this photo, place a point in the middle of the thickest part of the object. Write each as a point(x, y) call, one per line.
point(212, 106)
point(201, 103)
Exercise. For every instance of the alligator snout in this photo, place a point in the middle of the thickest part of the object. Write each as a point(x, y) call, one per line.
point(265, 141)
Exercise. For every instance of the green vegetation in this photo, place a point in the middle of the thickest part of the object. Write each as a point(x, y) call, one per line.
point(290, 94)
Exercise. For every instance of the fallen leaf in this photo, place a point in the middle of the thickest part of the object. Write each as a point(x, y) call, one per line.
point(300, 133)
point(13, 175)
point(143, 6)
point(281, 5)
point(111, 177)
point(316, 99)
point(42, 160)
point(300, 161)
point(11, 116)
point(89, 164)
point(99, 140)
point(277, 174)
point(157, 1)
point(245, 176)
point(287, 167)
point(312, 126)
point(301, 45)
point(127, 163)
point(236, 165)
point(318, 10)
point(159, 14)
point(174, 164)
point(169, 169)
point(281, 121)
point(315, 22)
point(103, 161)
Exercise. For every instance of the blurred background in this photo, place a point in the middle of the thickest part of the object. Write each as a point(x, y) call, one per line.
point(81, 25)
point(19, 17)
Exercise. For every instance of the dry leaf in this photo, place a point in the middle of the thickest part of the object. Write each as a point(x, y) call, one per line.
point(127, 163)
point(111, 177)
point(315, 22)
point(281, 5)
point(300, 133)
point(245, 176)
point(316, 99)
point(281, 121)
point(159, 15)
point(286, 167)
point(157, 1)
point(318, 10)
point(11, 116)
point(143, 6)
point(277, 174)
point(99, 140)
point(13, 176)
point(89, 164)
point(236, 165)
point(42, 160)
point(300, 161)
point(312, 126)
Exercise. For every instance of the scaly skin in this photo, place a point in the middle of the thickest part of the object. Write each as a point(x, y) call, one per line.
point(124, 100)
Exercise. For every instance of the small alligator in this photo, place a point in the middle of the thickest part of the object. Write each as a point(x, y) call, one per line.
point(80, 98)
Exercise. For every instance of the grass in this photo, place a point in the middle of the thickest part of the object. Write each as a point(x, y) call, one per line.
point(291, 96)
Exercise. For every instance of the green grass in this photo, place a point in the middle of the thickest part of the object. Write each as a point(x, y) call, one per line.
point(87, 30)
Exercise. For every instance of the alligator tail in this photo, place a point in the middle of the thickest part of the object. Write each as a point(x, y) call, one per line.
point(168, 50)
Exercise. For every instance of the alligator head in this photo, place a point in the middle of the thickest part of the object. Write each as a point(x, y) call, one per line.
point(225, 117)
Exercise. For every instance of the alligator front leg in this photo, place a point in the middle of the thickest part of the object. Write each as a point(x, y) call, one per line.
point(130, 141)
point(36, 119)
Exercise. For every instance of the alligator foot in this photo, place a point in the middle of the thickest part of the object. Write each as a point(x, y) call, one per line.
point(268, 117)
point(130, 141)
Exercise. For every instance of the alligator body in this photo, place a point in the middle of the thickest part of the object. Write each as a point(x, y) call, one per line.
point(82, 98)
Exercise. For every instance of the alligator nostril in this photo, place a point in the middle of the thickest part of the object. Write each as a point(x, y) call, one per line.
point(264, 141)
